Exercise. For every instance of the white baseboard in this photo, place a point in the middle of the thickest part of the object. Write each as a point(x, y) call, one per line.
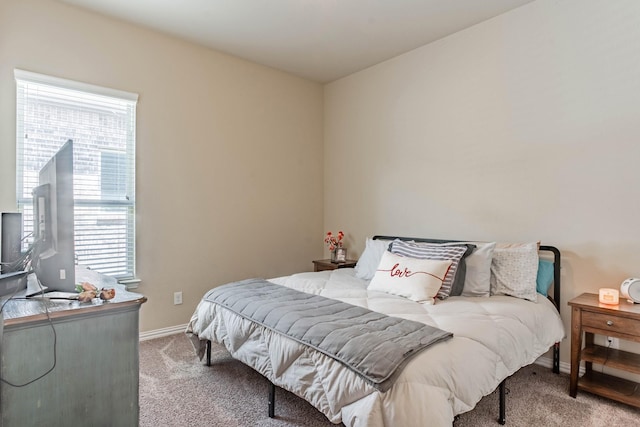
point(565, 367)
point(158, 333)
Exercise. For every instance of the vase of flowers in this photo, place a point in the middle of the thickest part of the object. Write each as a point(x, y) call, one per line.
point(335, 244)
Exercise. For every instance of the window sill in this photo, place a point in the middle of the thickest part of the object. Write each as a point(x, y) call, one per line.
point(131, 283)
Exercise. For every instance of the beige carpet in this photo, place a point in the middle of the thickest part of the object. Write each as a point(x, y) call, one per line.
point(177, 389)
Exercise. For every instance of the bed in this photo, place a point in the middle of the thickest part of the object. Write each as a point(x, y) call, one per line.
point(496, 330)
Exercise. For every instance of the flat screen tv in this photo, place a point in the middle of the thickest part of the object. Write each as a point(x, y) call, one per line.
point(53, 257)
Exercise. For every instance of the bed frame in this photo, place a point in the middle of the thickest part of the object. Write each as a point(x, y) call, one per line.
point(555, 299)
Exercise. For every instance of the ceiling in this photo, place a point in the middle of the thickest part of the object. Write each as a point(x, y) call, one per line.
point(321, 40)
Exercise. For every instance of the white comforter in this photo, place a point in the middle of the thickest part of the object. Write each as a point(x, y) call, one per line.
point(493, 338)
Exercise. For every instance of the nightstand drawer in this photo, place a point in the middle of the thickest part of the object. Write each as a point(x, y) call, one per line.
point(608, 322)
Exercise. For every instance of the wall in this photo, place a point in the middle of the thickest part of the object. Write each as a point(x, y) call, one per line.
point(524, 127)
point(229, 168)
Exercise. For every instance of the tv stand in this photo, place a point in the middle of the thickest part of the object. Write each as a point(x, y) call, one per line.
point(96, 375)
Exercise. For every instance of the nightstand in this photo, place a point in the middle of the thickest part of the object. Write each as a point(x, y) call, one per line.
point(326, 264)
point(622, 321)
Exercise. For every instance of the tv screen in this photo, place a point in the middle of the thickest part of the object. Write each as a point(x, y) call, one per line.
point(53, 256)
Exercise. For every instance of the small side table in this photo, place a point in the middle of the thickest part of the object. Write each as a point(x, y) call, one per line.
point(326, 264)
point(590, 318)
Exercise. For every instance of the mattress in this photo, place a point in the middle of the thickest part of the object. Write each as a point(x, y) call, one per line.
point(493, 337)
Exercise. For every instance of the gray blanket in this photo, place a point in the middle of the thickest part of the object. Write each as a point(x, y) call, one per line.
point(373, 345)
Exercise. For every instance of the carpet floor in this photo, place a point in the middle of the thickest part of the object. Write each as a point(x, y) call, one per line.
point(177, 389)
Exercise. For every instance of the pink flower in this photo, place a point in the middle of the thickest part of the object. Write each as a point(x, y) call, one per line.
point(334, 241)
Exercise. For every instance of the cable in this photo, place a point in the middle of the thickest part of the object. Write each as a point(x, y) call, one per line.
point(606, 356)
point(45, 302)
point(24, 260)
point(632, 391)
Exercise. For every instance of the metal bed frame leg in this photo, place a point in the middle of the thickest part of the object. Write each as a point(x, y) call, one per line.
point(272, 400)
point(502, 418)
point(272, 387)
point(556, 358)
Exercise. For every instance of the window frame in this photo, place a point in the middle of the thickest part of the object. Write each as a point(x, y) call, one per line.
point(27, 77)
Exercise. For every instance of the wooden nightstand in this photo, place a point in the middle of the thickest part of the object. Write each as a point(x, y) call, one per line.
point(326, 264)
point(621, 321)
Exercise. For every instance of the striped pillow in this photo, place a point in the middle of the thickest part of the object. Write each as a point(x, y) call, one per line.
point(453, 282)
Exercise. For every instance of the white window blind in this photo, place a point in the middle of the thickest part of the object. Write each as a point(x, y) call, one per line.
point(101, 123)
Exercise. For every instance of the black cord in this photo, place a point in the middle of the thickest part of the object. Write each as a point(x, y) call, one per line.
point(608, 348)
point(45, 302)
point(633, 391)
point(606, 355)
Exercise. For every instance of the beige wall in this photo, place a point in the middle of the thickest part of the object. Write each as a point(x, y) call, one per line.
point(229, 154)
point(521, 128)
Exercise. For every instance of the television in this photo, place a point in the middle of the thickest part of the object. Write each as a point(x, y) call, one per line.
point(53, 255)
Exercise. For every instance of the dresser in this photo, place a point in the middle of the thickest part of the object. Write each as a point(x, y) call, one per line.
point(76, 364)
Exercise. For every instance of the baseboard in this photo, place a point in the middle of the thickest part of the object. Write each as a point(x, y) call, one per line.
point(565, 367)
point(158, 333)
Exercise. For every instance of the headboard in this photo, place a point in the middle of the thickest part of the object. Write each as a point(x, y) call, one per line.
point(551, 249)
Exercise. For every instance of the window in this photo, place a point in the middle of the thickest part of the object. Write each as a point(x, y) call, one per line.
point(101, 123)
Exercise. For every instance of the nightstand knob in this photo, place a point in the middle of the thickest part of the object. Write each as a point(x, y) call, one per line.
point(609, 322)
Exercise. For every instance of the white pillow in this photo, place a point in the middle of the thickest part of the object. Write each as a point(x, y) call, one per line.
point(416, 279)
point(478, 269)
point(514, 270)
point(477, 282)
point(370, 258)
point(453, 283)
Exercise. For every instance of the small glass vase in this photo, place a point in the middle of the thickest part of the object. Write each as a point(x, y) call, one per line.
point(339, 255)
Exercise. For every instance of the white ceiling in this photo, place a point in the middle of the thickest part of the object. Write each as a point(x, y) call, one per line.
point(321, 40)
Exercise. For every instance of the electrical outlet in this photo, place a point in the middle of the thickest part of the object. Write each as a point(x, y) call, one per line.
point(613, 342)
point(177, 298)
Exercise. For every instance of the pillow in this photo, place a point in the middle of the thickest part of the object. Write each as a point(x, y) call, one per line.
point(416, 279)
point(370, 258)
point(454, 281)
point(478, 270)
point(545, 276)
point(514, 270)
